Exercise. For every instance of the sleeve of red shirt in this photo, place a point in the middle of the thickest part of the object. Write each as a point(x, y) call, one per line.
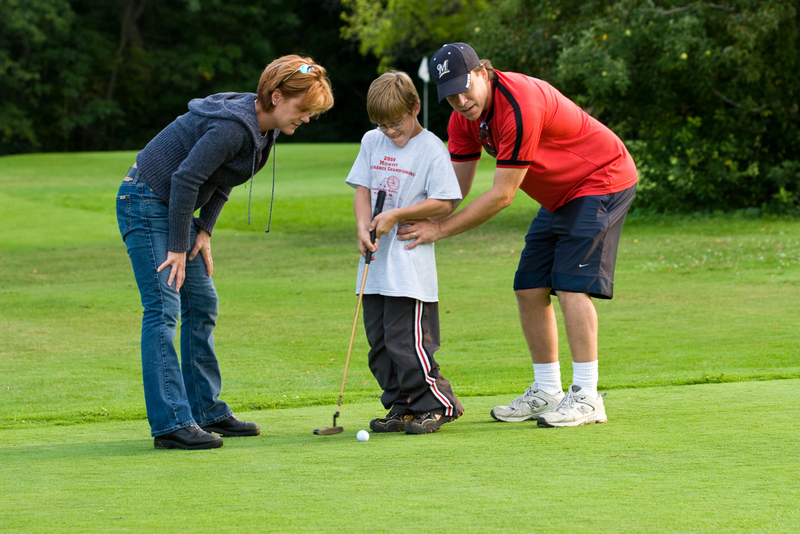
point(463, 141)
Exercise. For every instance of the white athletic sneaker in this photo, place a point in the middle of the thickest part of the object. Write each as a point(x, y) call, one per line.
point(532, 404)
point(575, 409)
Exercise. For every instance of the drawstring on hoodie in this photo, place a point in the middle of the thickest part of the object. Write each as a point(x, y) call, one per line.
point(272, 196)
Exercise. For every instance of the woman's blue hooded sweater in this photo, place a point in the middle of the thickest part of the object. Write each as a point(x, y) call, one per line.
point(195, 162)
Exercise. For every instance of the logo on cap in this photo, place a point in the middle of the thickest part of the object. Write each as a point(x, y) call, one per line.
point(442, 68)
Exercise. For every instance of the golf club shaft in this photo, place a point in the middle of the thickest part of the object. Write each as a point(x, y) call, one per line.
point(378, 208)
point(352, 337)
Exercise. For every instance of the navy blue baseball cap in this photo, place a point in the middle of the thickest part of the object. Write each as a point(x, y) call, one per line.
point(450, 69)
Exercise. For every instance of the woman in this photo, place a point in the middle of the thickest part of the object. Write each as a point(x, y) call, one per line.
point(193, 164)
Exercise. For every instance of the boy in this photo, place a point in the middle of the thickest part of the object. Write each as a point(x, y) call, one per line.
point(401, 314)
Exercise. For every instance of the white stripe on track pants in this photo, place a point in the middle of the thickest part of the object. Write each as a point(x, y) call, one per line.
point(403, 334)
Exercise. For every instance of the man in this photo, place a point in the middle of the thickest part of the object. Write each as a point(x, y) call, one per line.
point(584, 179)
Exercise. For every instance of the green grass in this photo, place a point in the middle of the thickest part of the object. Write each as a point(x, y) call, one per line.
point(703, 458)
point(694, 349)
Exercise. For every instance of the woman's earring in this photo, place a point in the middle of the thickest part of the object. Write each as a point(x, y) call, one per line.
point(274, 104)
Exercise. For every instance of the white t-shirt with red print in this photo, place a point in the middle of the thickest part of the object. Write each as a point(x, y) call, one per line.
point(419, 170)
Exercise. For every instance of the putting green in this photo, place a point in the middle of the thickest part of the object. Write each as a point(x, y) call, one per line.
point(712, 457)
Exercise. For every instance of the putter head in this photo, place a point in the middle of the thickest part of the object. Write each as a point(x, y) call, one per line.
point(328, 431)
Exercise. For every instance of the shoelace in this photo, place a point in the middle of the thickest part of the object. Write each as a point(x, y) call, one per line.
point(528, 393)
point(568, 400)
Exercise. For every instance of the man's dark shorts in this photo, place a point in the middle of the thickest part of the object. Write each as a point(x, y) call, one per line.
point(574, 248)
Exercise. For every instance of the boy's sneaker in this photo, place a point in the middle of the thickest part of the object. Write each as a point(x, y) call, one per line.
point(425, 423)
point(393, 422)
point(532, 404)
point(575, 409)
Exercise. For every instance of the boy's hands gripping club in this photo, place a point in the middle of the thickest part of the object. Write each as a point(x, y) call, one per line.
point(368, 236)
point(372, 234)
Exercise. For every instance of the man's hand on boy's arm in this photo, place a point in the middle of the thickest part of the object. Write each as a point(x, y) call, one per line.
point(487, 205)
point(430, 207)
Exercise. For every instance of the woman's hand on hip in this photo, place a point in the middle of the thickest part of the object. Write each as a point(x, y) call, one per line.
point(176, 261)
point(202, 244)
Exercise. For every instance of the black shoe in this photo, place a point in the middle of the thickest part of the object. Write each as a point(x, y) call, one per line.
point(232, 427)
point(189, 438)
point(393, 422)
point(425, 423)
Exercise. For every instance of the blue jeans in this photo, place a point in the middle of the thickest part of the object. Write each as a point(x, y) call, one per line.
point(176, 394)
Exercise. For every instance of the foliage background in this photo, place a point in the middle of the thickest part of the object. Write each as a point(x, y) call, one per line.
point(86, 75)
point(704, 94)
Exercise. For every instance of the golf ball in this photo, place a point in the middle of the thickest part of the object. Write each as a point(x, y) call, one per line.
point(362, 435)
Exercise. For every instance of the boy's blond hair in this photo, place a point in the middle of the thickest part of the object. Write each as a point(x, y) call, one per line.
point(391, 96)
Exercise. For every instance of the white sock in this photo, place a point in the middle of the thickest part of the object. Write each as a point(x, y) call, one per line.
point(585, 375)
point(547, 377)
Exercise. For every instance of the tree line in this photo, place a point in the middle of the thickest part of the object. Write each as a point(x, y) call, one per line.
point(704, 94)
point(79, 75)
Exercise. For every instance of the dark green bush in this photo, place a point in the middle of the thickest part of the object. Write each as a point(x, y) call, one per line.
point(704, 94)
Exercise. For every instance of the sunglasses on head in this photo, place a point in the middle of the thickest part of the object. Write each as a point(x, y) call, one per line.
point(305, 69)
point(486, 139)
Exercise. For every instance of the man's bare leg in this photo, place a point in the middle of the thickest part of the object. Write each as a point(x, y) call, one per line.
point(585, 405)
point(580, 321)
point(538, 324)
point(541, 332)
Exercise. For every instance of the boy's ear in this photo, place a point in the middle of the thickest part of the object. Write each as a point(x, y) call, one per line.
point(416, 109)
